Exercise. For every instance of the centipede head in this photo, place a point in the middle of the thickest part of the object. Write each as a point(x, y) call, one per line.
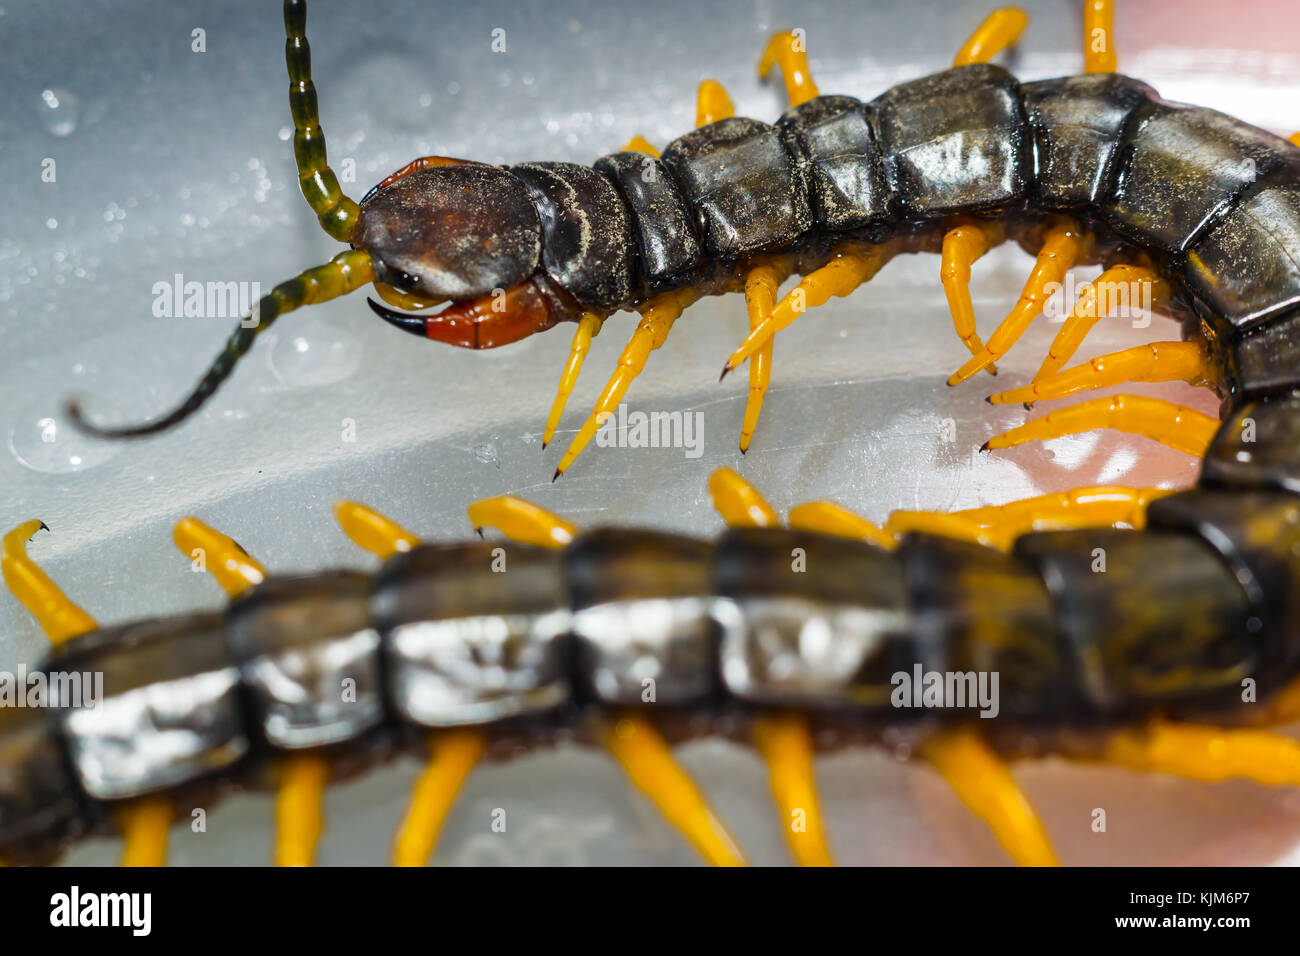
point(449, 230)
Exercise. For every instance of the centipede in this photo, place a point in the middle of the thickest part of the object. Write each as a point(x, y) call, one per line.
point(1139, 627)
point(788, 638)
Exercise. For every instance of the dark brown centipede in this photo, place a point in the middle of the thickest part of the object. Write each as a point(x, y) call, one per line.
point(1181, 196)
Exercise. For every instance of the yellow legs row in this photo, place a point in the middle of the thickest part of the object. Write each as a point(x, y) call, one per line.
point(979, 777)
point(852, 264)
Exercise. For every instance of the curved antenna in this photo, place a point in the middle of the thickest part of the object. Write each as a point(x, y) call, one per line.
point(339, 276)
point(320, 187)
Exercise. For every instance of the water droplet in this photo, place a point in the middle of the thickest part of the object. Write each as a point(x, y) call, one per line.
point(319, 357)
point(59, 111)
point(43, 440)
point(487, 453)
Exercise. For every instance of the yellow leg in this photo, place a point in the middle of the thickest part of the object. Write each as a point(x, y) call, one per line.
point(739, 502)
point(233, 567)
point(1211, 754)
point(961, 247)
point(1137, 284)
point(1098, 28)
point(639, 144)
point(521, 520)
point(1181, 428)
point(999, 525)
point(453, 754)
point(57, 615)
point(761, 283)
point(1154, 362)
point(786, 744)
point(853, 265)
point(829, 518)
point(588, 328)
point(372, 531)
point(984, 783)
point(1000, 29)
point(303, 776)
point(942, 523)
point(144, 823)
point(1060, 251)
point(657, 318)
point(712, 103)
point(787, 51)
point(1294, 139)
point(299, 818)
point(650, 767)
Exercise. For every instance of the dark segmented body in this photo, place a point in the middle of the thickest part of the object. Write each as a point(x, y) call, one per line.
point(1174, 620)
point(1214, 201)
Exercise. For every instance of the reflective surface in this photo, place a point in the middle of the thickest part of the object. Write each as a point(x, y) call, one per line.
point(173, 166)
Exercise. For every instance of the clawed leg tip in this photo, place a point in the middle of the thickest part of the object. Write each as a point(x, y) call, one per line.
point(726, 370)
point(1029, 406)
point(479, 532)
point(544, 444)
point(985, 446)
point(555, 477)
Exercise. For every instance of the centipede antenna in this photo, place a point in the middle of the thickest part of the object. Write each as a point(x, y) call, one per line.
point(1181, 428)
point(320, 187)
point(345, 272)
